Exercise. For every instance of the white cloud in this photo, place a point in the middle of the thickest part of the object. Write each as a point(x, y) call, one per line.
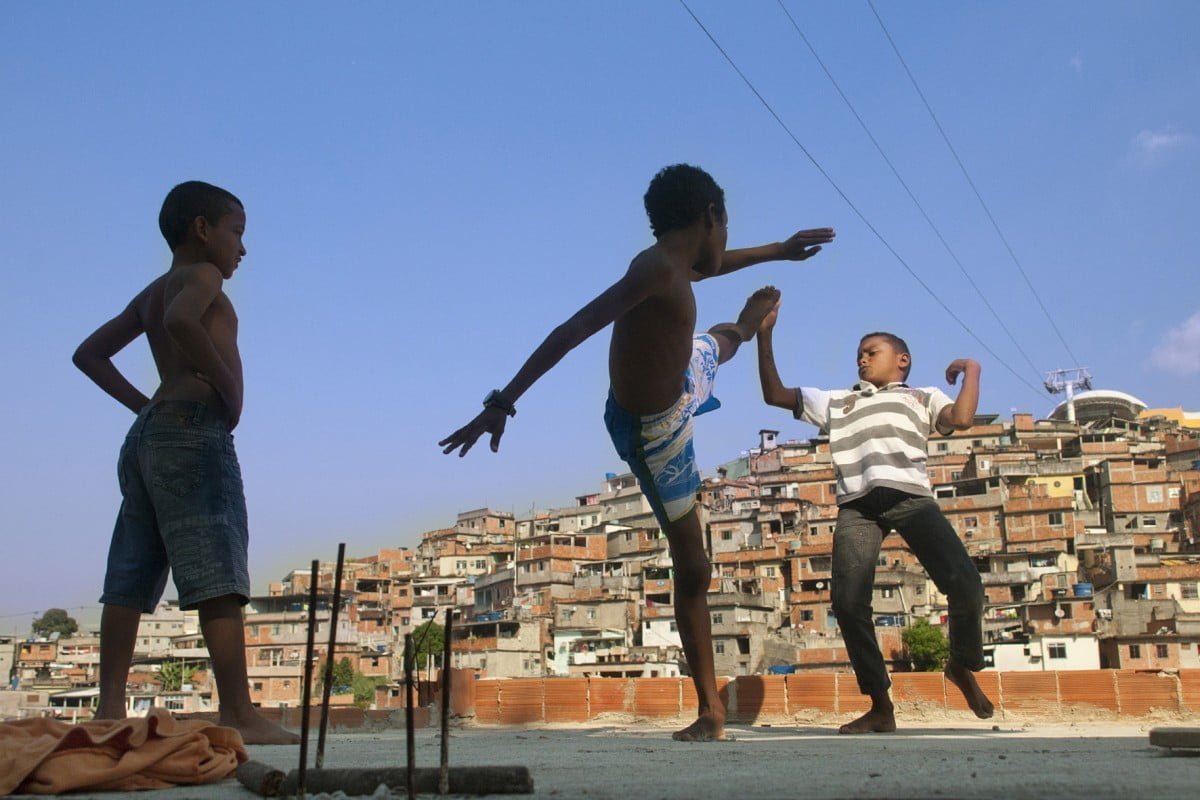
point(1077, 63)
point(1179, 350)
point(1154, 144)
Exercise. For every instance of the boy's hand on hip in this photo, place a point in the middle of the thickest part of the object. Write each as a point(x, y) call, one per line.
point(490, 420)
point(960, 366)
point(805, 244)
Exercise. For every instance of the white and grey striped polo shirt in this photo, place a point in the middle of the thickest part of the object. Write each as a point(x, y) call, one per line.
point(878, 437)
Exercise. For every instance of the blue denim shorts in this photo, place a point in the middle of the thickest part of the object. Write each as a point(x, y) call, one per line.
point(182, 508)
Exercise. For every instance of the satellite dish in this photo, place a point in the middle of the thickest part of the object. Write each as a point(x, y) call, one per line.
point(1058, 612)
point(820, 584)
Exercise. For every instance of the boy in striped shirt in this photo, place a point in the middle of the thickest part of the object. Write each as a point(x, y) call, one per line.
point(878, 432)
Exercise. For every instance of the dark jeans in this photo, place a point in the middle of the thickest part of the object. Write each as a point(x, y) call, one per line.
point(862, 525)
point(182, 508)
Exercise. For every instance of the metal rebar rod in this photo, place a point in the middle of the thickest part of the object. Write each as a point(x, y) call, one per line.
point(409, 728)
point(327, 686)
point(444, 775)
point(306, 690)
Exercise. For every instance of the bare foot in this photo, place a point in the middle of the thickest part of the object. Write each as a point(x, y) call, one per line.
point(964, 679)
point(757, 307)
point(257, 729)
point(706, 728)
point(103, 713)
point(877, 720)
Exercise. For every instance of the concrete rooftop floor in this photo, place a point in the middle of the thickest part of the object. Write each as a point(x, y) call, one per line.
point(945, 759)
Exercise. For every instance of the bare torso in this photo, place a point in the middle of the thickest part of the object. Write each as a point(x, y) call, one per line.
point(652, 343)
point(180, 379)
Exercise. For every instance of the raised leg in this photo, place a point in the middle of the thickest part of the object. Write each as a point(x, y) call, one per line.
point(936, 545)
point(730, 335)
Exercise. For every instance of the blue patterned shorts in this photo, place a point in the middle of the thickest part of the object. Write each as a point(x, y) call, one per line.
point(658, 447)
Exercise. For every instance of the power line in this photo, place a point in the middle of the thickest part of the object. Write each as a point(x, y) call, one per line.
point(971, 183)
point(917, 203)
point(851, 204)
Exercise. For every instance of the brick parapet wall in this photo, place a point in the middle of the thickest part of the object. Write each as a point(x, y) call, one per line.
point(1067, 695)
point(803, 696)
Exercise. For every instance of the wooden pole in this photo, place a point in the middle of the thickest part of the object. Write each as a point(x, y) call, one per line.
point(328, 683)
point(444, 775)
point(262, 779)
point(409, 727)
point(306, 691)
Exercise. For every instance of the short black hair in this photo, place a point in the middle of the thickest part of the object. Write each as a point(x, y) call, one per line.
point(678, 196)
point(898, 344)
point(190, 200)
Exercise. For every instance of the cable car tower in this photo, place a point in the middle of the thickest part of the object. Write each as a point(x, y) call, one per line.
point(1068, 381)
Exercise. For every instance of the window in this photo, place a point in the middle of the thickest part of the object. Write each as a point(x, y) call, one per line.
point(770, 572)
point(1189, 591)
point(1162, 651)
point(1057, 650)
point(1149, 522)
point(719, 648)
point(258, 686)
point(956, 475)
point(971, 522)
point(1154, 494)
point(1135, 651)
point(1173, 492)
point(887, 592)
point(674, 626)
point(942, 447)
point(1055, 517)
point(806, 615)
point(726, 536)
point(718, 618)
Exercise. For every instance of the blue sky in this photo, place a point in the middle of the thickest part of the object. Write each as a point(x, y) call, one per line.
point(431, 187)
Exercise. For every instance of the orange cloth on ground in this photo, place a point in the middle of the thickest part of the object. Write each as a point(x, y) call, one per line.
point(47, 756)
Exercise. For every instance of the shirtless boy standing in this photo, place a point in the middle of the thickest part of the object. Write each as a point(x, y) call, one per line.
point(182, 503)
point(660, 378)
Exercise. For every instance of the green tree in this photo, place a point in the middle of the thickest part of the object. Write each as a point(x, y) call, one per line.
point(343, 676)
point(364, 689)
point(172, 675)
point(927, 646)
point(55, 620)
point(429, 639)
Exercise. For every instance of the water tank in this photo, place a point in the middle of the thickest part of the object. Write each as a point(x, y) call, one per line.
point(1083, 589)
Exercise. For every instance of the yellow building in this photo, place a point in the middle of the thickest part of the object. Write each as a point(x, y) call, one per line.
point(1185, 419)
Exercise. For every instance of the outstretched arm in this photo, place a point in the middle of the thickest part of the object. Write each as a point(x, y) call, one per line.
point(800, 246)
point(961, 415)
point(639, 283)
point(774, 392)
point(94, 357)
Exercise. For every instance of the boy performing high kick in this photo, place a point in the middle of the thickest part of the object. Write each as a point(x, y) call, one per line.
point(660, 378)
